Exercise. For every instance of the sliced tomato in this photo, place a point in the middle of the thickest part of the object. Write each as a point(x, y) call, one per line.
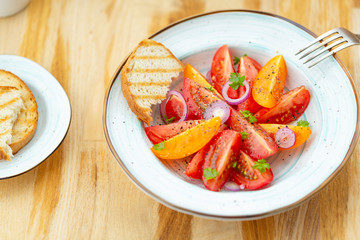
point(244, 174)
point(195, 167)
point(289, 108)
point(174, 108)
point(249, 68)
point(160, 133)
point(197, 97)
point(219, 156)
point(258, 143)
point(221, 68)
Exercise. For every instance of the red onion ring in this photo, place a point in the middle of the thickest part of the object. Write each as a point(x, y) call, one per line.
point(239, 100)
point(234, 187)
point(285, 137)
point(217, 109)
point(163, 106)
point(208, 77)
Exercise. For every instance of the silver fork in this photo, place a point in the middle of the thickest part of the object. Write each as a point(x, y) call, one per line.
point(337, 38)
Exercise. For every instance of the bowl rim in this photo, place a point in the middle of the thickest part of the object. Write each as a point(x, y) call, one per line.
point(244, 217)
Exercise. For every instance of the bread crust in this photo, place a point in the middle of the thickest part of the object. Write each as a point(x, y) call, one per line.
point(28, 116)
point(143, 114)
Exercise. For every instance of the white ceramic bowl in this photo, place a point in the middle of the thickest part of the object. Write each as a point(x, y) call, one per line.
point(54, 115)
point(298, 174)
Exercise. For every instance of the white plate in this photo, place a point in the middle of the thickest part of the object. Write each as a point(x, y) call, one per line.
point(54, 115)
point(298, 173)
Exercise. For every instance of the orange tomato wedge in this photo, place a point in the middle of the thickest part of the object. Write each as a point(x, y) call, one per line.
point(188, 142)
point(196, 76)
point(301, 133)
point(270, 82)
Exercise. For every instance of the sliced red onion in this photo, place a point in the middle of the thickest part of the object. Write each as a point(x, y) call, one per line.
point(217, 109)
point(163, 106)
point(237, 100)
point(285, 137)
point(234, 187)
point(208, 77)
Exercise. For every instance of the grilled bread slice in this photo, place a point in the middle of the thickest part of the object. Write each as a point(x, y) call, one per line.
point(25, 125)
point(147, 75)
point(10, 106)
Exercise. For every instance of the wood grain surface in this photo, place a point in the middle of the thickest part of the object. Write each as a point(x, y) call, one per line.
point(80, 192)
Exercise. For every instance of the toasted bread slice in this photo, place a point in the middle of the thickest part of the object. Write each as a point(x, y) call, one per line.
point(25, 125)
point(10, 106)
point(147, 75)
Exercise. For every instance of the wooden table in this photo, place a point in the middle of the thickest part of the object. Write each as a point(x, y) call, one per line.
point(80, 192)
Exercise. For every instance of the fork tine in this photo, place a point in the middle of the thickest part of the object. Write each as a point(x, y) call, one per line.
point(325, 49)
point(320, 45)
point(318, 39)
point(331, 53)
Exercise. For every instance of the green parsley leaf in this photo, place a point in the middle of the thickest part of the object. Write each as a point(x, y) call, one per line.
point(236, 80)
point(169, 120)
point(261, 165)
point(235, 164)
point(159, 146)
point(210, 173)
point(244, 135)
point(236, 60)
point(249, 116)
point(211, 88)
point(245, 55)
point(303, 123)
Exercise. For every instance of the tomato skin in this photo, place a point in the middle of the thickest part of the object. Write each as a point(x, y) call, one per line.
point(194, 168)
point(249, 177)
point(197, 97)
point(258, 144)
point(249, 68)
point(270, 82)
point(174, 108)
point(221, 68)
point(160, 133)
point(220, 154)
point(289, 108)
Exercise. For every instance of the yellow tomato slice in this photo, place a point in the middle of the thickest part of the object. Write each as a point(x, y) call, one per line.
point(196, 76)
point(188, 142)
point(270, 82)
point(301, 133)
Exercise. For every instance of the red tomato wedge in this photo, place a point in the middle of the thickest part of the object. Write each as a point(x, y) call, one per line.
point(160, 133)
point(220, 154)
point(195, 167)
point(244, 174)
point(197, 97)
point(249, 68)
point(221, 68)
point(258, 144)
point(289, 108)
point(174, 108)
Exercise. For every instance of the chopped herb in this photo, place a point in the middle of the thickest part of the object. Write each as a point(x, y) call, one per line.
point(303, 123)
point(249, 116)
point(159, 146)
point(236, 60)
point(169, 120)
point(210, 173)
point(211, 88)
point(244, 135)
point(236, 80)
point(261, 165)
point(234, 164)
